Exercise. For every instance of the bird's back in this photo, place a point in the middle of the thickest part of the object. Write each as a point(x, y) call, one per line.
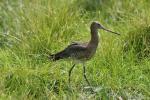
point(78, 51)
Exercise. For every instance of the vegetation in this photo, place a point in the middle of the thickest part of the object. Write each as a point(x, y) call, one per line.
point(30, 30)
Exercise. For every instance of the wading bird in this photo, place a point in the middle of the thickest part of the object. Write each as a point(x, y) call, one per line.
point(82, 51)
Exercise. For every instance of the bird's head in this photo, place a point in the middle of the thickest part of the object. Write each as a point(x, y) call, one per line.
point(96, 25)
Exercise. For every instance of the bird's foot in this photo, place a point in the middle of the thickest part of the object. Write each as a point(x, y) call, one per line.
point(89, 88)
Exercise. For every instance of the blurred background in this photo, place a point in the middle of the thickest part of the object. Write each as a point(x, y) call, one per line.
point(30, 30)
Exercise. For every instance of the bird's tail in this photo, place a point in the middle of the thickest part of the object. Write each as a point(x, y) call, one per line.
point(59, 55)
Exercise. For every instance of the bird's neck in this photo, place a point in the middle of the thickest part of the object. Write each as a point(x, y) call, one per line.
point(94, 38)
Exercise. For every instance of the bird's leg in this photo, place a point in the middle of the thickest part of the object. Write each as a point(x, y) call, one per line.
point(70, 72)
point(84, 74)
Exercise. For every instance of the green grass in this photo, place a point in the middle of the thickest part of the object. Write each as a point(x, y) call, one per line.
point(32, 29)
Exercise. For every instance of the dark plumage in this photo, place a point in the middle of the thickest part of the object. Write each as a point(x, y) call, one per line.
point(71, 51)
point(81, 51)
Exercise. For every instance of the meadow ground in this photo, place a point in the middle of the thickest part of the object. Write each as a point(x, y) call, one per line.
point(32, 29)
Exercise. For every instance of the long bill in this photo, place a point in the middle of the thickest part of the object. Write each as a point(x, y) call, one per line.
point(110, 31)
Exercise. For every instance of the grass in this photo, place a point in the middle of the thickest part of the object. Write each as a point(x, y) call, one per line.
point(30, 30)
